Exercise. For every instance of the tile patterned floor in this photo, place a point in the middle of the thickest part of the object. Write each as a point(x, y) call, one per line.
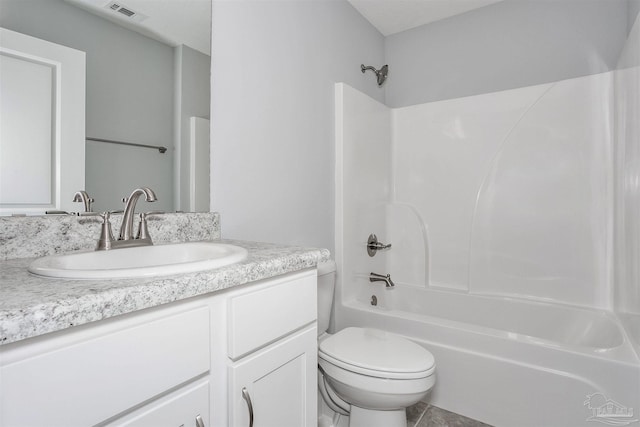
point(424, 415)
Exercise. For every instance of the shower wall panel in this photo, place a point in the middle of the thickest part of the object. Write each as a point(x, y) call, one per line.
point(514, 189)
point(627, 186)
point(363, 184)
point(543, 218)
point(441, 152)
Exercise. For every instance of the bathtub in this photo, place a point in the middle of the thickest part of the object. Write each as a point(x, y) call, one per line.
point(511, 362)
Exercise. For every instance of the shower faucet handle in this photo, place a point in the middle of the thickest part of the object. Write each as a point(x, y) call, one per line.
point(373, 246)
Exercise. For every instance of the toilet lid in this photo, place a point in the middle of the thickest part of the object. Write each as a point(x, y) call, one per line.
point(380, 352)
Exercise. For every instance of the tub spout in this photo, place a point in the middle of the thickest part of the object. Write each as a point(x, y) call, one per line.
point(375, 277)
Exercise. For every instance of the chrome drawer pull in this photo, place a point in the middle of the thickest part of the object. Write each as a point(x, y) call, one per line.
point(245, 396)
point(199, 421)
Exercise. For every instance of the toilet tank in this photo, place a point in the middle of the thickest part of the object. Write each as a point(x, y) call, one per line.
point(326, 286)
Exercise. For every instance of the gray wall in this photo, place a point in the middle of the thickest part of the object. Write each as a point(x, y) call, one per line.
point(129, 96)
point(274, 65)
point(506, 45)
point(633, 10)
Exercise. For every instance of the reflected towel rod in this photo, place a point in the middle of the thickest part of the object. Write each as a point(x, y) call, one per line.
point(162, 150)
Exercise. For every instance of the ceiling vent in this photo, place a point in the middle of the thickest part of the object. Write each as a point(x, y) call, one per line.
point(125, 11)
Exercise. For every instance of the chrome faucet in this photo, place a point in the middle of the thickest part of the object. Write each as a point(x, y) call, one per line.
point(126, 238)
point(374, 277)
point(83, 196)
point(126, 229)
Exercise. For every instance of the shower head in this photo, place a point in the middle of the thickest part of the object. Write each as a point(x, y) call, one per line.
point(381, 74)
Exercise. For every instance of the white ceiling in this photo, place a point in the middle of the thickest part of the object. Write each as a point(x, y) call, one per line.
point(173, 22)
point(393, 16)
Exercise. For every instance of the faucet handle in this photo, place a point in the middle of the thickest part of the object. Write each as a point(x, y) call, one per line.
point(106, 234)
point(143, 229)
point(373, 245)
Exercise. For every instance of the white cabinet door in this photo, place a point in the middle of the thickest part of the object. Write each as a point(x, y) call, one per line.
point(280, 381)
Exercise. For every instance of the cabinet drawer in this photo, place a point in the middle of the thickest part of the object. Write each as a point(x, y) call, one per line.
point(112, 369)
point(178, 409)
point(264, 315)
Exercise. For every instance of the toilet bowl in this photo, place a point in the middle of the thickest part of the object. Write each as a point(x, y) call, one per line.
point(368, 374)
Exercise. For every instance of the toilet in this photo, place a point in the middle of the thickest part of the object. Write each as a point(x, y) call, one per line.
point(368, 374)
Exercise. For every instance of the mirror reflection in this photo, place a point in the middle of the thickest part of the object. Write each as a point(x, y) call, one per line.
point(147, 83)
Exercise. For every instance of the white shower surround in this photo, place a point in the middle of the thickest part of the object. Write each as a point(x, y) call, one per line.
point(514, 189)
point(627, 184)
point(500, 206)
point(507, 193)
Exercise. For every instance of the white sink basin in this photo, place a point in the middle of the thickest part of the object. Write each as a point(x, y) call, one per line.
point(143, 261)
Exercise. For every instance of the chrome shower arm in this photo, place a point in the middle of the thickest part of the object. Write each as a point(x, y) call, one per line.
point(381, 74)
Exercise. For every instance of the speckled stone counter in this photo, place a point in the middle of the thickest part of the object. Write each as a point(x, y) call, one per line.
point(31, 305)
point(36, 236)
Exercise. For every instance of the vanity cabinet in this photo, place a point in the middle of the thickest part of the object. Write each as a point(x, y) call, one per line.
point(271, 356)
point(86, 375)
point(180, 364)
point(277, 386)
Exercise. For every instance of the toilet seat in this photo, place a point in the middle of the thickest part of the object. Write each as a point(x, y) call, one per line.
point(377, 353)
point(371, 392)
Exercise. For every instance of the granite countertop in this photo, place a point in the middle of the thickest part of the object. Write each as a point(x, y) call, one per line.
point(31, 305)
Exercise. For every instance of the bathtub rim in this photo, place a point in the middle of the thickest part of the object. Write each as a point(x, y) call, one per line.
point(623, 353)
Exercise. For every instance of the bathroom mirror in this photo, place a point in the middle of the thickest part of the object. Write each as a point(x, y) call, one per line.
point(147, 83)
